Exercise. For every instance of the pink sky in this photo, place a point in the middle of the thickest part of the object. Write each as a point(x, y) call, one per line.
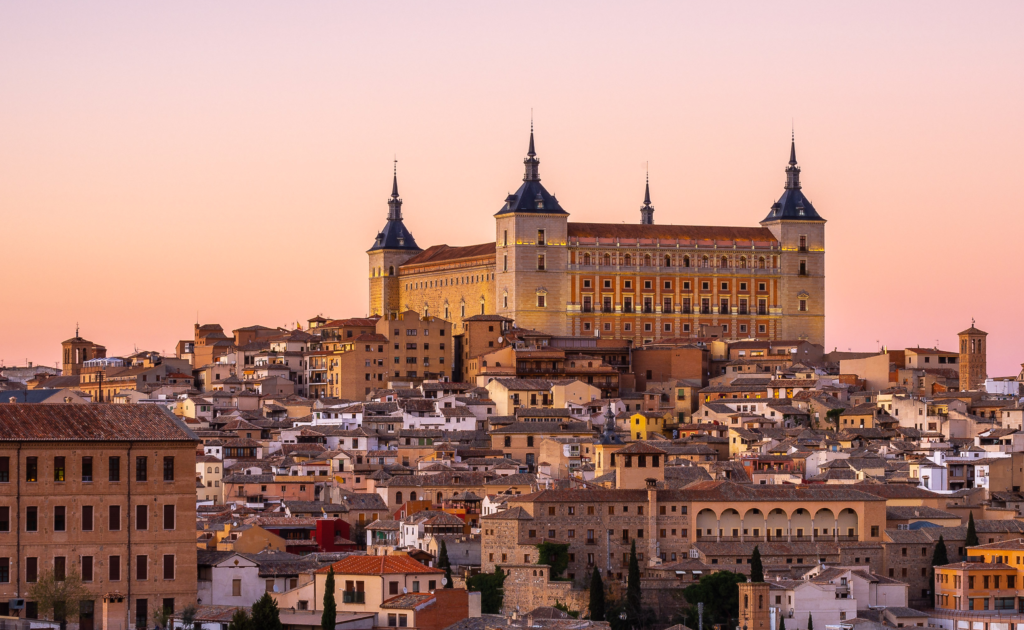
point(234, 158)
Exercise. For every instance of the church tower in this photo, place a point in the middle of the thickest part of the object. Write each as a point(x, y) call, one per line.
point(973, 368)
point(531, 254)
point(800, 231)
point(647, 210)
point(393, 246)
point(754, 606)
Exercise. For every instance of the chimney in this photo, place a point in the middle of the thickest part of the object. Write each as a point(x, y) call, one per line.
point(12, 400)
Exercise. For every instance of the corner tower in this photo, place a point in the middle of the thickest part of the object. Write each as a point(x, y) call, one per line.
point(800, 231)
point(393, 246)
point(532, 254)
point(973, 362)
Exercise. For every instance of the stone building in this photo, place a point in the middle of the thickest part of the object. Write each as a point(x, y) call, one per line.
point(106, 491)
point(642, 282)
point(973, 369)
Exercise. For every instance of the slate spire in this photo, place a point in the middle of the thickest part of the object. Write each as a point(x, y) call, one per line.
point(793, 171)
point(395, 235)
point(395, 202)
point(647, 210)
point(532, 163)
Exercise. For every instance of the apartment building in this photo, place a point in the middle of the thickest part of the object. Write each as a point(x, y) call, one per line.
point(106, 491)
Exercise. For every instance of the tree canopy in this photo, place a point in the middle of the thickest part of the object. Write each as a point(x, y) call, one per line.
point(489, 585)
point(555, 555)
point(597, 601)
point(58, 599)
point(756, 569)
point(720, 594)
point(328, 620)
point(972, 534)
point(265, 614)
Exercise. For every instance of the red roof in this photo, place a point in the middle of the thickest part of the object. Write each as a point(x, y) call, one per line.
point(378, 565)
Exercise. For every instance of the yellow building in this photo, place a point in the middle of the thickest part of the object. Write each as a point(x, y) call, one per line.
point(642, 282)
point(992, 581)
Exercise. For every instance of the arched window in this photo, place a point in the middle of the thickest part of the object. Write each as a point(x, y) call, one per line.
point(463, 307)
point(760, 262)
point(439, 497)
point(725, 262)
point(686, 261)
point(504, 301)
point(705, 262)
point(629, 260)
point(391, 270)
point(743, 262)
point(412, 495)
point(398, 498)
point(668, 261)
point(607, 260)
point(586, 259)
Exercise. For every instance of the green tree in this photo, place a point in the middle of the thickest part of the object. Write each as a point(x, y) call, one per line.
point(633, 592)
point(782, 623)
point(162, 617)
point(756, 570)
point(810, 621)
point(444, 563)
point(240, 620)
point(939, 557)
point(59, 599)
point(489, 585)
point(188, 617)
point(597, 602)
point(265, 615)
point(330, 616)
point(575, 614)
point(554, 555)
point(721, 596)
point(972, 534)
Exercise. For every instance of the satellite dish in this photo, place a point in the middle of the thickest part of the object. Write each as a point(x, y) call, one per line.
point(444, 581)
point(500, 339)
point(404, 590)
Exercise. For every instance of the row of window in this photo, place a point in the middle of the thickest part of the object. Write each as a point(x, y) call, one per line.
point(87, 521)
point(705, 262)
point(704, 285)
point(649, 327)
point(448, 282)
point(87, 568)
point(62, 470)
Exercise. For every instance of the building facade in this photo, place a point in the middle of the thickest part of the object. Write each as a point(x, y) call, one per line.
point(642, 282)
point(104, 491)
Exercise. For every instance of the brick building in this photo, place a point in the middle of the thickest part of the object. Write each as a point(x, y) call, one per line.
point(106, 491)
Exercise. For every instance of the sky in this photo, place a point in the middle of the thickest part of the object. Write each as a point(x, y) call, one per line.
point(232, 160)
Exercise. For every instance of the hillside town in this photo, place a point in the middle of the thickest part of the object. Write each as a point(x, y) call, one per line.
point(498, 483)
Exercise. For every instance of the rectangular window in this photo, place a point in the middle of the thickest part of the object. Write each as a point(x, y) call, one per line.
point(168, 469)
point(114, 469)
point(114, 568)
point(60, 568)
point(141, 613)
point(86, 469)
point(141, 469)
point(5, 518)
point(5, 469)
point(236, 588)
point(141, 567)
point(114, 518)
point(31, 469)
point(5, 570)
point(541, 240)
point(31, 569)
point(540, 262)
point(540, 301)
point(59, 518)
point(31, 519)
point(86, 518)
point(168, 517)
point(58, 468)
point(87, 568)
point(168, 567)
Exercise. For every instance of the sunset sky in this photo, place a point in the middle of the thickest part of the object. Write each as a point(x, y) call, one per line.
point(233, 159)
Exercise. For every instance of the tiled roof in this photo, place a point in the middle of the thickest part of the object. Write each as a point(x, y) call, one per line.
point(379, 565)
point(669, 232)
point(408, 601)
point(103, 422)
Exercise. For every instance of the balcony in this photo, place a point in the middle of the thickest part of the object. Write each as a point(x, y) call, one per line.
point(607, 309)
point(666, 309)
point(591, 541)
point(842, 589)
point(587, 308)
point(353, 597)
point(762, 310)
point(743, 310)
point(627, 308)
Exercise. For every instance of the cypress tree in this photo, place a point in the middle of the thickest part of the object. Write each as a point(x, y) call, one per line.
point(633, 595)
point(596, 596)
point(782, 623)
point(810, 621)
point(939, 557)
point(444, 563)
point(972, 535)
point(330, 615)
point(756, 570)
point(265, 614)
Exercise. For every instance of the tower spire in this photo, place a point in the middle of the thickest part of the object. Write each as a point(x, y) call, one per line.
point(647, 210)
point(793, 171)
point(394, 183)
point(532, 163)
point(395, 202)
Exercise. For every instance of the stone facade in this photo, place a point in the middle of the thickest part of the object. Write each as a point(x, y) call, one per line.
point(642, 282)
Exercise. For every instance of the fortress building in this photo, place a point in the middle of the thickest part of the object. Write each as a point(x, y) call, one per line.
point(644, 282)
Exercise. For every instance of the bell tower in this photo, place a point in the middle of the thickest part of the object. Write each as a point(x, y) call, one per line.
point(754, 606)
point(973, 364)
point(393, 246)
